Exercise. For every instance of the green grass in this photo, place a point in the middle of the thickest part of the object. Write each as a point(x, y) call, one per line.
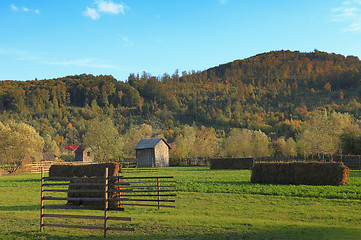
point(211, 204)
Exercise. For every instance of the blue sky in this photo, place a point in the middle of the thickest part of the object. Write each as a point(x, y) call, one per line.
point(48, 39)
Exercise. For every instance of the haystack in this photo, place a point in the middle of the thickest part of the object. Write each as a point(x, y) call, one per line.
point(86, 178)
point(89, 170)
point(306, 173)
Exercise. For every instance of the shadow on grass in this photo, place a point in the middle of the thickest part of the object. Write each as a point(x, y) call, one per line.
point(273, 232)
point(20, 208)
point(21, 180)
point(237, 183)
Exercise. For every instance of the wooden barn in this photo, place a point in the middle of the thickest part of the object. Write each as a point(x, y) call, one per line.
point(84, 154)
point(152, 152)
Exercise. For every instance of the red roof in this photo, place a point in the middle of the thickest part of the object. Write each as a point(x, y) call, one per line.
point(71, 147)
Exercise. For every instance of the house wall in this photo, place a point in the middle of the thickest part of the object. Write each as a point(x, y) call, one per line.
point(86, 156)
point(161, 151)
point(145, 157)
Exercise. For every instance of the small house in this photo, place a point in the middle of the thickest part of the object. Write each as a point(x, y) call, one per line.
point(49, 156)
point(69, 149)
point(84, 154)
point(152, 152)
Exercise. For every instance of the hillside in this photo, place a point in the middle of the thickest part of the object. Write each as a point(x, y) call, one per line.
point(272, 92)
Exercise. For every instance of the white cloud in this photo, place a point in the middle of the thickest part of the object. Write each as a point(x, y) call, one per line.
point(83, 62)
point(92, 13)
point(350, 14)
point(43, 58)
point(106, 7)
point(126, 42)
point(23, 9)
point(14, 8)
point(110, 7)
point(354, 27)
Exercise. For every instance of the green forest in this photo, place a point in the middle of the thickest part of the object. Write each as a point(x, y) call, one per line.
point(277, 103)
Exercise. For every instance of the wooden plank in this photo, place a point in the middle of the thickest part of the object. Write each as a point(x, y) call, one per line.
point(128, 219)
point(170, 190)
point(150, 195)
point(146, 205)
point(106, 202)
point(72, 226)
point(79, 207)
point(119, 184)
point(71, 178)
point(73, 199)
point(118, 199)
point(72, 216)
point(120, 190)
point(121, 229)
point(42, 201)
point(146, 177)
point(151, 182)
point(151, 186)
point(74, 184)
point(73, 191)
point(149, 200)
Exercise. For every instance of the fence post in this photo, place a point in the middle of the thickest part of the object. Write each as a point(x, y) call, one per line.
point(106, 203)
point(42, 201)
point(158, 188)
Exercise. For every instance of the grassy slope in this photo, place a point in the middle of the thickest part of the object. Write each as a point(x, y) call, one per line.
point(201, 214)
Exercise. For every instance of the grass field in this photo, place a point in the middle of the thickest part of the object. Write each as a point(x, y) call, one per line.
point(211, 204)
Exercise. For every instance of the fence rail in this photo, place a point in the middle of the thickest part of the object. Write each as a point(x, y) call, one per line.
point(131, 191)
point(106, 199)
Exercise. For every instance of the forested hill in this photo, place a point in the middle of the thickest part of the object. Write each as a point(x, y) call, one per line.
point(272, 92)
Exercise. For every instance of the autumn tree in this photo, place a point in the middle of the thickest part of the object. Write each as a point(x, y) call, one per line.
point(260, 144)
point(182, 148)
point(238, 143)
point(321, 136)
point(50, 145)
point(19, 140)
point(133, 135)
point(103, 137)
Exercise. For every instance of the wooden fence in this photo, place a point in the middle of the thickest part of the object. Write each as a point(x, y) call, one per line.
point(153, 190)
point(156, 190)
point(36, 167)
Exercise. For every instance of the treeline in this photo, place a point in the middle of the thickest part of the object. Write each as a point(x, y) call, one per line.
point(271, 93)
point(323, 135)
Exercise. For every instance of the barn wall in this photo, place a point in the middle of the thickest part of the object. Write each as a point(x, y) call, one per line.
point(79, 156)
point(83, 156)
point(145, 157)
point(87, 158)
point(161, 155)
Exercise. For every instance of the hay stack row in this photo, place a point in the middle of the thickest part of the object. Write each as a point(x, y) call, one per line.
point(297, 173)
point(232, 163)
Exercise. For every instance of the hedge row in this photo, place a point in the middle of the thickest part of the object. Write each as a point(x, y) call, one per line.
point(306, 173)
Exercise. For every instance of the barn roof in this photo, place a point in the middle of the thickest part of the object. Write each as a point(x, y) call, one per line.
point(72, 148)
point(80, 149)
point(149, 143)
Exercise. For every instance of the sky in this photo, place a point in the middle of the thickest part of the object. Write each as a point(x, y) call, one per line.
point(42, 39)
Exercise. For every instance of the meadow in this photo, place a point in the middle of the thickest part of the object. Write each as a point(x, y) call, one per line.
point(211, 204)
